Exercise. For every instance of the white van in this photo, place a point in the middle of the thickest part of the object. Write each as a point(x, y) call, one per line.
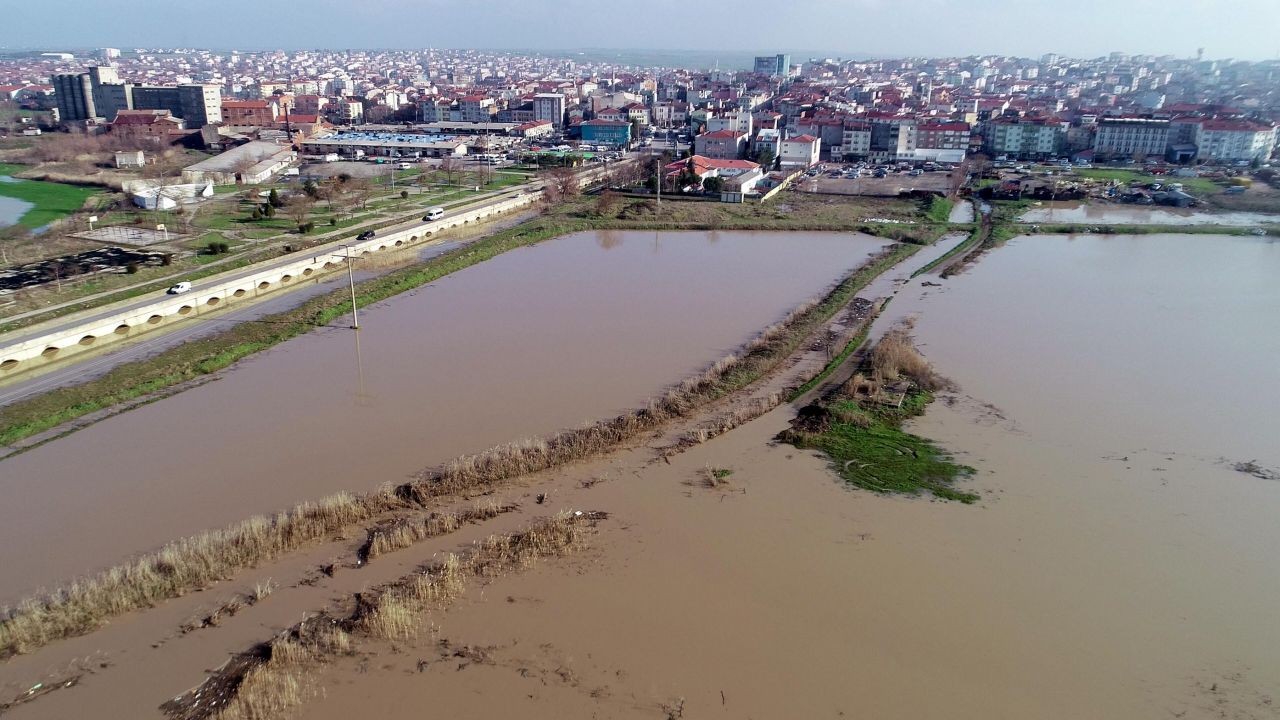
point(434, 213)
point(179, 288)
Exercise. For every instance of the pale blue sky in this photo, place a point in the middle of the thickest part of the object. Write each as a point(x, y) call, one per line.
point(1242, 29)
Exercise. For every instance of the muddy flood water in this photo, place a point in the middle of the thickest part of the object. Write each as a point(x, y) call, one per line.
point(1118, 566)
point(535, 340)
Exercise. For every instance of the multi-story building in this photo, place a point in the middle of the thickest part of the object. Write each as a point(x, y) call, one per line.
point(1123, 137)
point(736, 120)
point(476, 108)
point(1025, 138)
point(260, 113)
point(1235, 140)
point(942, 141)
point(616, 133)
point(772, 65)
point(801, 151)
point(855, 141)
point(893, 137)
point(351, 110)
point(152, 127)
point(197, 105)
point(721, 144)
point(549, 106)
point(97, 93)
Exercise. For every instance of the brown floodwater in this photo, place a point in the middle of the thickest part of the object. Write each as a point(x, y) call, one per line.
point(537, 339)
point(1115, 567)
point(1109, 214)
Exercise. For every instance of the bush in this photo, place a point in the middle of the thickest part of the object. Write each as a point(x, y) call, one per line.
point(404, 194)
point(333, 221)
point(273, 199)
point(131, 268)
point(257, 214)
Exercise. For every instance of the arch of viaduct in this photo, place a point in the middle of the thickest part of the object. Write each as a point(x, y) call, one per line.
point(33, 352)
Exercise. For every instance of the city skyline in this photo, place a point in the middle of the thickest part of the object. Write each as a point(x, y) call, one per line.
point(859, 28)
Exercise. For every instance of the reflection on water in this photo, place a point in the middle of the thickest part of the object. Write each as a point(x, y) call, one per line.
point(537, 339)
point(1106, 214)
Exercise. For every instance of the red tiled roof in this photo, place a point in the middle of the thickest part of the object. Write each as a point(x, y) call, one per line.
point(801, 139)
point(721, 135)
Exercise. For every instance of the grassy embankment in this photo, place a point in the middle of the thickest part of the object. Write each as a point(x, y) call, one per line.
point(50, 201)
point(193, 563)
point(860, 429)
point(939, 210)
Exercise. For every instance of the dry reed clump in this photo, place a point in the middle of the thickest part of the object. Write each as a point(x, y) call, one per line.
point(271, 683)
point(406, 532)
point(895, 357)
point(192, 563)
point(740, 416)
point(178, 568)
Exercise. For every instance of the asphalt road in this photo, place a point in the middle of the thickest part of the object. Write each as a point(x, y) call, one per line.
point(142, 301)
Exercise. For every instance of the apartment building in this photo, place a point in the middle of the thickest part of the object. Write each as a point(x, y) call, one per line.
point(738, 120)
point(549, 106)
point(1125, 137)
point(1025, 138)
point(721, 144)
point(476, 108)
point(942, 141)
point(801, 151)
point(772, 65)
point(1235, 141)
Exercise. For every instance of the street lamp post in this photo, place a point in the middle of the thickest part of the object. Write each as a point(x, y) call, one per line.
point(351, 280)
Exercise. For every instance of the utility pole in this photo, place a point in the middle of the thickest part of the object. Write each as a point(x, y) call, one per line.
point(351, 280)
point(658, 162)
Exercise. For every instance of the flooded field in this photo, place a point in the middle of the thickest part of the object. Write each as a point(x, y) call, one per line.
point(1119, 565)
point(532, 341)
point(1106, 214)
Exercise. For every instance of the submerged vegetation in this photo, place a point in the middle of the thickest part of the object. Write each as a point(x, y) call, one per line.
point(278, 676)
point(860, 428)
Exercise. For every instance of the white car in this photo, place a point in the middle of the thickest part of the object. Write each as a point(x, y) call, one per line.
point(179, 288)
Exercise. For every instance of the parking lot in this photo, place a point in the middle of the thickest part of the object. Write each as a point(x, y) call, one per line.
point(834, 179)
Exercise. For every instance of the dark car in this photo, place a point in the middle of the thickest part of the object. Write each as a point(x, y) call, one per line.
point(366, 235)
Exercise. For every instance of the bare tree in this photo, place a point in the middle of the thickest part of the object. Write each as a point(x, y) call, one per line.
point(299, 208)
point(359, 190)
point(565, 181)
point(449, 166)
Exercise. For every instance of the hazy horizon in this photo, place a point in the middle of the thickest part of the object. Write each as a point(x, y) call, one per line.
point(850, 29)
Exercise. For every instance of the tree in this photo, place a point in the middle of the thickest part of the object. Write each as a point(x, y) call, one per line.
point(562, 183)
point(449, 166)
point(636, 127)
point(299, 208)
point(766, 158)
point(713, 184)
point(607, 204)
point(359, 190)
point(274, 199)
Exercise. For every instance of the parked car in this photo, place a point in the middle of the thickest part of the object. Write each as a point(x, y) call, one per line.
point(179, 288)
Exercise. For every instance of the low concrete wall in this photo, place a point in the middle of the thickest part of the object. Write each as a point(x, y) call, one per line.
point(33, 352)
